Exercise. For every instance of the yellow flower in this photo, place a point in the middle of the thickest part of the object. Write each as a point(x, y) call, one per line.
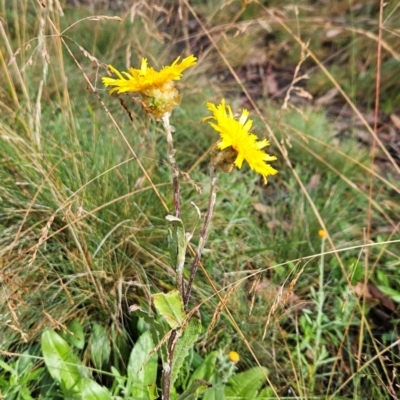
point(234, 357)
point(322, 234)
point(235, 134)
point(157, 88)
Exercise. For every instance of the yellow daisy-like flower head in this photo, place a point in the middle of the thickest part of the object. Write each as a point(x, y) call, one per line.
point(234, 357)
point(157, 87)
point(235, 134)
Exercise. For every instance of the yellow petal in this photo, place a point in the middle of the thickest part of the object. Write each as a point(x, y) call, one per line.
point(235, 133)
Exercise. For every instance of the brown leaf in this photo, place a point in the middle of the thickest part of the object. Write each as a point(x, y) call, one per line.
point(373, 294)
point(362, 290)
point(381, 297)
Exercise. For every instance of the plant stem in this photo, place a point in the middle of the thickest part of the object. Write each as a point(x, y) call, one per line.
point(167, 372)
point(320, 310)
point(174, 169)
point(177, 205)
point(204, 232)
point(321, 297)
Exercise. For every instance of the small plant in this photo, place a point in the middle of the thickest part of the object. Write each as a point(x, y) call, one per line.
point(17, 377)
point(215, 376)
point(236, 145)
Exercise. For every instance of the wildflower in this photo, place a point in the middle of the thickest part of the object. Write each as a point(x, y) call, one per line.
point(157, 88)
point(322, 234)
point(234, 357)
point(236, 138)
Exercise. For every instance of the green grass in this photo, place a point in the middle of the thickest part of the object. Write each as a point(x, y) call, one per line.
point(83, 234)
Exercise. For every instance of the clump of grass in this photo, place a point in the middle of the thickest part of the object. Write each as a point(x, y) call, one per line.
point(67, 251)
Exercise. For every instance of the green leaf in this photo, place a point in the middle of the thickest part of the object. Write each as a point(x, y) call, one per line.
point(61, 363)
point(177, 243)
point(157, 330)
point(392, 293)
point(119, 381)
point(25, 393)
point(6, 367)
point(215, 393)
point(194, 390)
point(206, 369)
point(142, 368)
point(246, 384)
point(266, 393)
point(185, 343)
point(74, 334)
point(170, 306)
point(24, 363)
point(383, 278)
point(356, 272)
point(91, 390)
point(177, 247)
point(120, 348)
point(100, 348)
point(153, 392)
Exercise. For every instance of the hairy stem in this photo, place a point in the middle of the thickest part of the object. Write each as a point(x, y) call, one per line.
point(204, 233)
point(174, 169)
point(167, 371)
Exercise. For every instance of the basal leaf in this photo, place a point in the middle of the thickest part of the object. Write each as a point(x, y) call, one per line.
point(215, 393)
point(100, 348)
point(74, 334)
point(91, 390)
point(142, 367)
point(206, 369)
point(156, 328)
point(246, 384)
point(61, 363)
